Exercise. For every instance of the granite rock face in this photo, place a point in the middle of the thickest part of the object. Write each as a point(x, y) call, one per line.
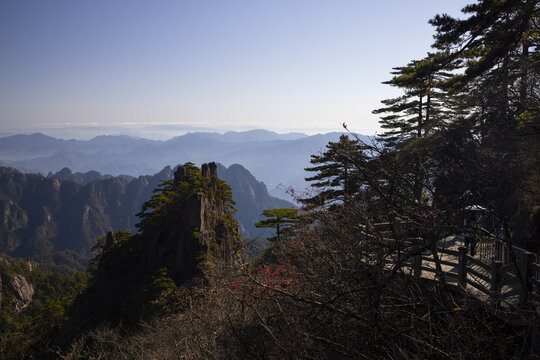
point(24, 291)
point(12, 218)
point(40, 215)
point(202, 227)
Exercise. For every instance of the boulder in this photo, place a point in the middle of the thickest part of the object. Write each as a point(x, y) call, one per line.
point(24, 291)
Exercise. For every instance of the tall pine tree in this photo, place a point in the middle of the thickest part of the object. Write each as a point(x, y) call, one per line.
point(337, 178)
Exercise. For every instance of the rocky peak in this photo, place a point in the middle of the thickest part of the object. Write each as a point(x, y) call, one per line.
point(202, 229)
point(209, 170)
point(110, 239)
point(165, 174)
point(186, 227)
point(185, 172)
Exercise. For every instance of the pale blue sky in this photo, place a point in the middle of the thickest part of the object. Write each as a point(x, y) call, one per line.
point(295, 65)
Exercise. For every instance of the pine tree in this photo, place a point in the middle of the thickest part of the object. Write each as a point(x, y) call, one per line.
point(488, 37)
point(496, 49)
point(485, 72)
point(497, 83)
point(418, 111)
point(337, 177)
point(279, 219)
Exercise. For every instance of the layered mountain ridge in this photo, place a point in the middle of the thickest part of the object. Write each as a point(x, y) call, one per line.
point(62, 215)
point(275, 159)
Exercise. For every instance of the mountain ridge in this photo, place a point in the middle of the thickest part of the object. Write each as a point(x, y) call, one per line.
point(275, 159)
point(40, 216)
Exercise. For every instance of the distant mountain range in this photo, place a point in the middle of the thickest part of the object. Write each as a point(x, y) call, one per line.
point(62, 215)
point(275, 159)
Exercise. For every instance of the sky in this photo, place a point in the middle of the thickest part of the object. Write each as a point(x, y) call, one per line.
point(282, 65)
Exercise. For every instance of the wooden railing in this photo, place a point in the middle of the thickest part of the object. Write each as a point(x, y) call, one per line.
point(501, 274)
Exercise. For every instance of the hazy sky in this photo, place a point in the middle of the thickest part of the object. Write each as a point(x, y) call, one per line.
point(291, 65)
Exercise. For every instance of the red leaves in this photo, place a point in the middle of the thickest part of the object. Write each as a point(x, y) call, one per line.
point(268, 278)
point(263, 282)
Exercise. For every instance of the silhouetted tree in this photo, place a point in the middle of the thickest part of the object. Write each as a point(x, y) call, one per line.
point(336, 175)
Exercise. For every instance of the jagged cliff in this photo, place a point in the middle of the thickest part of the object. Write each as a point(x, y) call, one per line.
point(61, 218)
point(41, 215)
point(202, 225)
point(186, 227)
point(16, 290)
point(23, 290)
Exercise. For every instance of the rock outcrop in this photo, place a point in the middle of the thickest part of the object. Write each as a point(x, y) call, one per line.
point(185, 228)
point(203, 228)
point(12, 218)
point(24, 291)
